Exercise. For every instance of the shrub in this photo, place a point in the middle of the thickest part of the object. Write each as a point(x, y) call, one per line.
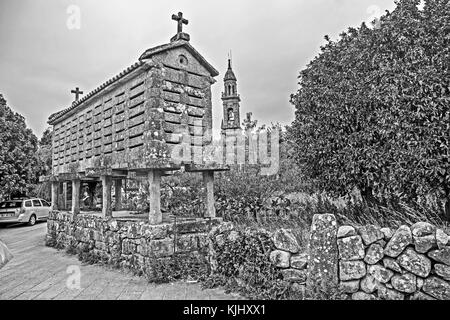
point(177, 267)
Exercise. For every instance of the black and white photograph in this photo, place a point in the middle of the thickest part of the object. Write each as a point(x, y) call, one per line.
point(224, 159)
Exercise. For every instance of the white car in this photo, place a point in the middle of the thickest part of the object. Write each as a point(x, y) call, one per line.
point(24, 211)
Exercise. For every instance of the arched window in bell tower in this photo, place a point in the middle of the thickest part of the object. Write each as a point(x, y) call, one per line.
point(230, 116)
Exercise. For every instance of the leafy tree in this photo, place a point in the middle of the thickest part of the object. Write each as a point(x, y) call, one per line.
point(43, 165)
point(372, 109)
point(18, 146)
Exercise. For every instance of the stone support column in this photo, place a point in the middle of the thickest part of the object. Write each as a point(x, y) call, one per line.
point(118, 194)
point(55, 185)
point(208, 180)
point(64, 198)
point(106, 205)
point(155, 215)
point(76, 196)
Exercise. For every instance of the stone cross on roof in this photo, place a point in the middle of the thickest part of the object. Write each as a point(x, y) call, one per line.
point(77, 93)
point(179, 18)
point(180, 34)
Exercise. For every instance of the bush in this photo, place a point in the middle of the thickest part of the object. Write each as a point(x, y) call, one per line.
point(177, 267)
point(243, 265)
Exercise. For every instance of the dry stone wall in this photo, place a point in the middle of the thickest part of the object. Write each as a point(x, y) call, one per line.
point(236, 253)
point(132, 244)
point(365, 262)
point(411, 262)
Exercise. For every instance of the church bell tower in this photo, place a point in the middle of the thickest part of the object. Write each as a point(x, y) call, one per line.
point(230, 99)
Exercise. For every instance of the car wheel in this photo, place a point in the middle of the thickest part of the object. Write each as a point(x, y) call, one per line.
point(32, 220)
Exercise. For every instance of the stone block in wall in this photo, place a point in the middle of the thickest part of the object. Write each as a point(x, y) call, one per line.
point(370, 234)
point(187, 242)
point(389, 294)
point(419, 283)
point(361, 295)
point(369, 284)
point(161, 248)
point(191, 227)
point(375, 253)
point(351, 248)
point(415, 263)
point(132, 230)
point(380, 273)
point(346, 231)
point(404, 282)
point(352, 270)
point(101, 246)
point(323, 251)
point(154, 232)
point(294, 275)
point(112, 225)
point(299, 261)
point(442, 255)
point(442, 238)
point(421, 296)
point(285, 240)
point(392, 264)
point(437, 288)
point(424, 243)
point(442, 270)
point(421, 229)
point(399, 241)
point(96, 235)
point(349, 286)
point(280, 258)
point(388, 233)
point(128, 247)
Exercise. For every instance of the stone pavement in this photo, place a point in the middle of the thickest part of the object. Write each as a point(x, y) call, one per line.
point(38, 272)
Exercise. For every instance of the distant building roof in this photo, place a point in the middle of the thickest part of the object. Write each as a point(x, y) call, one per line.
point(229, 75)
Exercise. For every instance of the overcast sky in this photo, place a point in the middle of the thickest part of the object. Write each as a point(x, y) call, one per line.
point(41, 59)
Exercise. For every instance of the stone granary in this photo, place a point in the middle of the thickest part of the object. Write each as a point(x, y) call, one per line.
point(133, 124)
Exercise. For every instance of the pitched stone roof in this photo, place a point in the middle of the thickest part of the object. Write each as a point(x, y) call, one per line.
point(146, 55)
point(180, 43)
point(55, 116)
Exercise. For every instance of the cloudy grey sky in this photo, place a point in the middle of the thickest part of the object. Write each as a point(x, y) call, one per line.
point(41, 59)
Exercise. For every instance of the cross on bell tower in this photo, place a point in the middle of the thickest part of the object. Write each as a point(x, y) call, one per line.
point(77, 93)
point(180, 34)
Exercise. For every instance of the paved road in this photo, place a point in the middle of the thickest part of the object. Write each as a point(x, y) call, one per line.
point(39, 272)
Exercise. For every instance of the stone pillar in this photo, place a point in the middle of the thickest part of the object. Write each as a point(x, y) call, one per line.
point(76, 196)
point(208, 180)
point(118, 194)
point(106, 205)
point(323, 252)
point(154, 179)
point(64, 201)
point(55, 185)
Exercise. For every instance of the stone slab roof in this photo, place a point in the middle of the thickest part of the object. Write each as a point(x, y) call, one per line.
point(146, 55)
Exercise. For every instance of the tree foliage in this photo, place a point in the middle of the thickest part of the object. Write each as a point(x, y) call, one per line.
point(18, 146)
point(372, 109)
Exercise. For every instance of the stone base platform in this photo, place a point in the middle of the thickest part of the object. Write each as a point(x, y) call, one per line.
point(131, 241)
